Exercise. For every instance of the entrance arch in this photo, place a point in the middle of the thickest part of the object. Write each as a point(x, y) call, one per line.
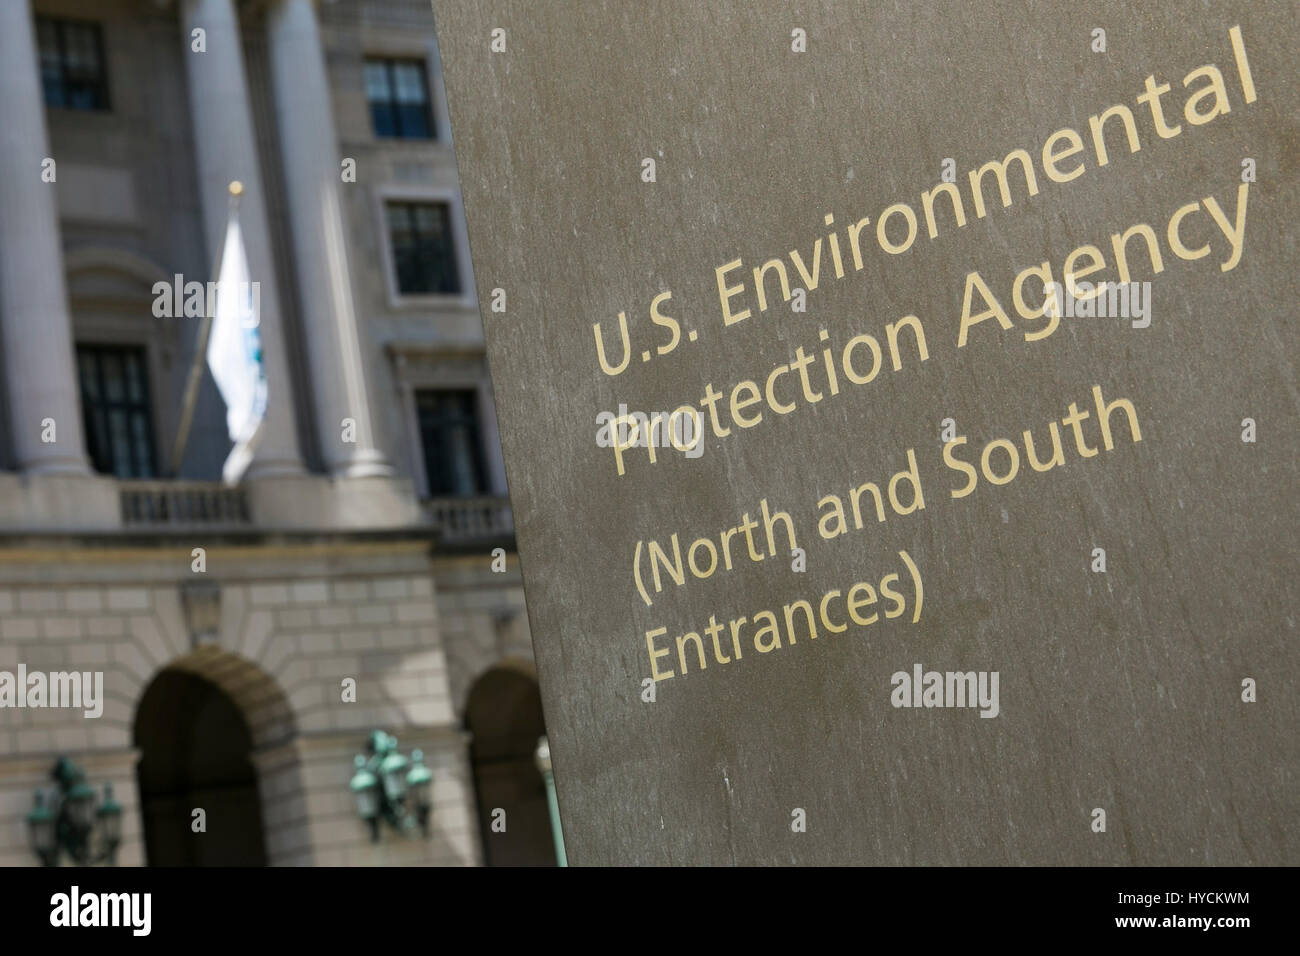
point(197, 726)
point(504, 717)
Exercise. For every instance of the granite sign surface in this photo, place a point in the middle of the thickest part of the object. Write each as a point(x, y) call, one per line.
point(899, 407)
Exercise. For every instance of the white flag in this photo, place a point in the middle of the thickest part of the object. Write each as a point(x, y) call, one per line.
point(235, 353)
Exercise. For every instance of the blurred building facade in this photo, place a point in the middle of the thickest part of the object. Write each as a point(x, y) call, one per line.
point(362, 543)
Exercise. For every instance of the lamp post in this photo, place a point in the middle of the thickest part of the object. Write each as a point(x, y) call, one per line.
point(389, 787)
point(70, 820)
point(543, 758)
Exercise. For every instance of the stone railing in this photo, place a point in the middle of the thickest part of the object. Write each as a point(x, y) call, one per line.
point(182, 504)
point(471, 520)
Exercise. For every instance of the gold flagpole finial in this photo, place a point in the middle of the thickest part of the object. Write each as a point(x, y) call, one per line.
point(236, 188)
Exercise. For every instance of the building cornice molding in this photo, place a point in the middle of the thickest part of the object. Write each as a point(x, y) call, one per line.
point(19, 546)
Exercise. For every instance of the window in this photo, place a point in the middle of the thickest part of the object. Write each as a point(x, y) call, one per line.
point(72, 64)
point(423, 250)
point(398, 91)
point(453, 457)
point(115, 409)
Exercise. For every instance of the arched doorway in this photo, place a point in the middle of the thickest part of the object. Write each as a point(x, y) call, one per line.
point(195, 754)
point(504, 717)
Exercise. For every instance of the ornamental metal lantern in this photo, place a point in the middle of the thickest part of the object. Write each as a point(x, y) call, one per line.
point(419, 783)
point(393, 772)
point(389, 787)
point(365, 789)
point(109, 816)
point(40, 830)
point(68, 820)
point(79, 801)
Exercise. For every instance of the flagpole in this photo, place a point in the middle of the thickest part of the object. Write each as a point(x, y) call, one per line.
point(200, 352)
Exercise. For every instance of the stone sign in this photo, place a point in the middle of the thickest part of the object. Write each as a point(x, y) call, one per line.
point(899, 409)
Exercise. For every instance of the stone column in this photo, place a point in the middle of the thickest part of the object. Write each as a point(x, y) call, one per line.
point(226, 150)
point(39, 369)
point(312, 184)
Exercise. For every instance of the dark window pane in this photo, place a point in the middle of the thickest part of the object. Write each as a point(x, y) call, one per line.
point(47, 38)
point(134, 387)
point(110, 364)
point(72, 65)
point(141, 445)
point(409, 83)
point(97, 440)
point(464, 476)
point(116, 411)
point(426, 218)
point(399, 221)
point(411, 279)
point(51, 68)
point(73, 74)
point(53, 91)
point(384, 118)
point(377, 87)
point(82, 51)
point(413, 122)
point(449, 435)
point(398, 93)
point(120, 446)
point(89, 375)
point(423, 250)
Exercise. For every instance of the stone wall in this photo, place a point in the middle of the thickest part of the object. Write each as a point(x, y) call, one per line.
point(294, 623)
